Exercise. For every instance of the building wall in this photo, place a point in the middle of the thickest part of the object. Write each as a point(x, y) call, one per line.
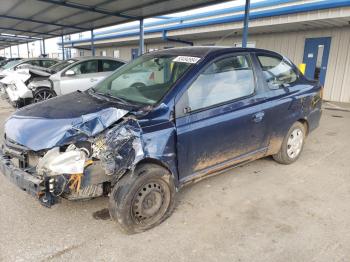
point(290, 44)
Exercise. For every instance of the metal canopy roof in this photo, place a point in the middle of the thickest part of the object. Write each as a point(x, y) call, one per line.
point(52, 18)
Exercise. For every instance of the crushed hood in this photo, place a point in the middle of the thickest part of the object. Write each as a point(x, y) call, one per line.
point(61, 120)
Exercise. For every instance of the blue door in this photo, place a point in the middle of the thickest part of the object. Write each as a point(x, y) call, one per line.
point(316, 53)
point(134, 53)
point(219, 119)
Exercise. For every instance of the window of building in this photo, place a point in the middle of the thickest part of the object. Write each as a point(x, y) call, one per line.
point(224, 80)
point(81, 52)
point(103, 53)
point(277, 72)
point(116, 53)
point(249, 44)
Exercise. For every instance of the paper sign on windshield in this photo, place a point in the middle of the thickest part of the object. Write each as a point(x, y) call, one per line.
point(186, 59)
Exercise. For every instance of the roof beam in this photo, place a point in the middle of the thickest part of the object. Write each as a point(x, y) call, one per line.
point(16, 37)
point(27, 31)
point(85, 8)
point(42, 22)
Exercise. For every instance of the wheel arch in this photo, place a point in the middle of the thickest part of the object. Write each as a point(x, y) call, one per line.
point(305, 123)
point(151, 160)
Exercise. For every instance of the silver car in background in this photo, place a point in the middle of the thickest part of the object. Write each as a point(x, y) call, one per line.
point(63, 78)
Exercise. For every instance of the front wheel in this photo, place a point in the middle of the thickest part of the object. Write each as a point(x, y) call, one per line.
point(42, 94)
point(292, 144)
point(143, 199)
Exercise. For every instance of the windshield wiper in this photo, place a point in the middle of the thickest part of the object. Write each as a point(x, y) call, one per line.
point(109, 96)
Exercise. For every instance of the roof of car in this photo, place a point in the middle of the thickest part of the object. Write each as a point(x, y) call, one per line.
point(38, 58)
point(80, 58)
point(202, 51)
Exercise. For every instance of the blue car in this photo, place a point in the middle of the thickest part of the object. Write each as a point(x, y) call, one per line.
point(200, 111)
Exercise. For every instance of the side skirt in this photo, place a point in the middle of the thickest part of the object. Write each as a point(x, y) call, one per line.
point(223, 167)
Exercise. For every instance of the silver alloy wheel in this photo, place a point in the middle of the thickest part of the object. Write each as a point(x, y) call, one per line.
point(295, 143)
point(42, 95)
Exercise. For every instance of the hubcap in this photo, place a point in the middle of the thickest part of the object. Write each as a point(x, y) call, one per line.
point(42, 95)
point(295, 143)
point(150, 202)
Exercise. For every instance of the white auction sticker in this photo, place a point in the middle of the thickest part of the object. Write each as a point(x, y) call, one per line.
point(186, 59)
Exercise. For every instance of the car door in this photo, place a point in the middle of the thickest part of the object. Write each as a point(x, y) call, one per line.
point(219, 120)
point(80, 76)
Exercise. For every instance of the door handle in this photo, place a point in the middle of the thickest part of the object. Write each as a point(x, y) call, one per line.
point(93, 79)
point(258, 117)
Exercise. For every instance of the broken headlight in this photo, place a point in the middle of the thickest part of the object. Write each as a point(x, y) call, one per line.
point(70, 161)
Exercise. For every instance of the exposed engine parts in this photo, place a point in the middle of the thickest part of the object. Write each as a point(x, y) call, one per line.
point(80, 171)
point(119, 148)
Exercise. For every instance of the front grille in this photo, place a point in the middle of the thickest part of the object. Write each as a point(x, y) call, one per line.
point(26, 158)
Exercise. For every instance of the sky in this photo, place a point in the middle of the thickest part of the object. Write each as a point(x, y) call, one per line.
point(52, 48)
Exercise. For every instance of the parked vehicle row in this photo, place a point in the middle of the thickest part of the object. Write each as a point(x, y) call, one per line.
point(193, 112)
point(30, 84)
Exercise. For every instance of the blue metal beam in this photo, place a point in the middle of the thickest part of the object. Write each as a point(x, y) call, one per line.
point(41, 22)
point(27, 50)
point(246, 24)
point(326, 4)
point(219, 12)
point(166, 38)
point(62, 45)
point(141, 38)
point(44, 51)
point(92, 43)
point(85, 8)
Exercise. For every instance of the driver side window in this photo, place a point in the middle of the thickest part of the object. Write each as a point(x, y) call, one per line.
point(87, 67)
point(224, 80)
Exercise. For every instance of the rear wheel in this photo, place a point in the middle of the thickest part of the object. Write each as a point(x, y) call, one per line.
point(144, 199)
point(42, 94)
point(292, 144)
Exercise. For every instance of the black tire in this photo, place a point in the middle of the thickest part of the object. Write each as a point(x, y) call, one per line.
point(284, 156)
point(42, 94)
point(143, 199)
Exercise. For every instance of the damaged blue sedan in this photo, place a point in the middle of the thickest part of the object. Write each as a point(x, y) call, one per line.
point(199, 111)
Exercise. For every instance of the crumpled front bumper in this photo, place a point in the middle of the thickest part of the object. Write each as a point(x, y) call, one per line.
point(3, 93)
point(18, 93)
point(32, 185)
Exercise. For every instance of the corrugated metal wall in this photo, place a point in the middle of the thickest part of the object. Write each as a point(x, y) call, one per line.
point(290, 44)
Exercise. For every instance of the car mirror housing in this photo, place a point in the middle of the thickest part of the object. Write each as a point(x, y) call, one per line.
point(69, 73)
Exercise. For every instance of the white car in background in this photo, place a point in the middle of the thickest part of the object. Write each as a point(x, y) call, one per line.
point(26, 63)
point(66, 77)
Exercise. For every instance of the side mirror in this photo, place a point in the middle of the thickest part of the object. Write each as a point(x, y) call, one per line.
point(69, 73)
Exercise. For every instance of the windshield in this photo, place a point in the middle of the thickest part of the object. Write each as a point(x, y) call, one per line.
point(58, 67)
point(11, 64)
point(144, 80)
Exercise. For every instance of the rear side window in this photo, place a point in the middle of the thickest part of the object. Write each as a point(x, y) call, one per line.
point(86, 67)
point(110, 65)
point(277, 72)
point(33, 62)
point(48, 63)
point(224, 80)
